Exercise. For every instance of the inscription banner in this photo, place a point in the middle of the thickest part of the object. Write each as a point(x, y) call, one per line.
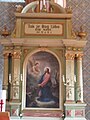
point(43, 29)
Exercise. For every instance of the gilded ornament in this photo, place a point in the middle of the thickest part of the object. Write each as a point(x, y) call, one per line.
point(25, 51)
point(69, 48)
point(74, 49)
point(73, 34)
point(14, 33)
point(16, 55)
point(6, 55)
point(44, 9)
point(70, 56)
point(68, 10)
point(6, 48)
point(43, 48)
point(79, 49)
point(79, 56)
point(5, 32)
point(82, 34)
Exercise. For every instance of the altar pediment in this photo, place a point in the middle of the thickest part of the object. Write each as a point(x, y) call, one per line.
point(37, 19)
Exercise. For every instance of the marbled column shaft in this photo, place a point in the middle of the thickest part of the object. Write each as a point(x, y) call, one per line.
point(70, 92)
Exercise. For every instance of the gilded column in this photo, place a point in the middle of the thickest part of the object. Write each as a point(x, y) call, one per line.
point(70, 92)
point(79, 83)
point(5, 76)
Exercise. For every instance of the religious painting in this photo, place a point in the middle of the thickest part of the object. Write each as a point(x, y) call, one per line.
point(42, 81)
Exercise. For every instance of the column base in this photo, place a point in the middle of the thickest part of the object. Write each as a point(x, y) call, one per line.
point(69, 101)
point(14, 108)
point(75, 111)
point(79, 101)
point(35, 118)
point(75, 118)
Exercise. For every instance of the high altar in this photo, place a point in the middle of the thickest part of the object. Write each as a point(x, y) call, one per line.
point(43, 38)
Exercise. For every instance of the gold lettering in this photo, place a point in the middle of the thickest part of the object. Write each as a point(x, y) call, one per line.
point(55, 26)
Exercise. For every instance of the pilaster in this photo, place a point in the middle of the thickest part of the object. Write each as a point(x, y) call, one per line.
point(16, 73)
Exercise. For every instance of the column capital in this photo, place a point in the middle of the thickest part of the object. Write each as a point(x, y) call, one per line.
point(5, 55)
point(16, 55)
point(79, 56)
point(70, 56)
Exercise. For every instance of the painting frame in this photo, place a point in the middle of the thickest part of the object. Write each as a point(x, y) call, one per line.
point(24, 84)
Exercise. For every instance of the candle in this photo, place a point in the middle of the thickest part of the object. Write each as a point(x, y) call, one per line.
point(21, 77)
point(75, 78)
point(10, 78)
point(63, 79)
point(43, 2)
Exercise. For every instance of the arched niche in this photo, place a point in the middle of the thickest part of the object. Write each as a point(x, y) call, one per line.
point(30, 89)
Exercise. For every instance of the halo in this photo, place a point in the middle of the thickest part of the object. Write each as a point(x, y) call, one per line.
point(48, 68)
